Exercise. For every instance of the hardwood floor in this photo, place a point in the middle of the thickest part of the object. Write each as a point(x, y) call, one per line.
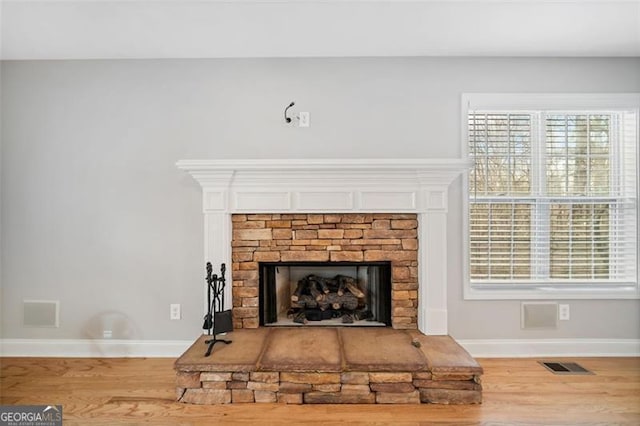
point(133, 391)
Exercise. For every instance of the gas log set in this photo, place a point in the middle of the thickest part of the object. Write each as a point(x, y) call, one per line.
point(318, 298)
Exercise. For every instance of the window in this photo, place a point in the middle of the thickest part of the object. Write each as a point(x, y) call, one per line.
point(552, 195)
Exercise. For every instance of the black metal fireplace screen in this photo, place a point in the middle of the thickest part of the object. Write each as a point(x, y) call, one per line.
point(325, 293)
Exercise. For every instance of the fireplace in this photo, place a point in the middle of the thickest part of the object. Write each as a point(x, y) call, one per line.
point(325, 293)
point(329, 223)
point(296, 190)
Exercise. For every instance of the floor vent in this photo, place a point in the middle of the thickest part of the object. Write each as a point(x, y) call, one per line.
point(565, 367)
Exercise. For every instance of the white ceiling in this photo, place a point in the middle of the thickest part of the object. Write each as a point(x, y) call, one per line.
point(86, 29)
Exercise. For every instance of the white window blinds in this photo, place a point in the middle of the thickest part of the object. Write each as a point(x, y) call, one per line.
point(553, 196)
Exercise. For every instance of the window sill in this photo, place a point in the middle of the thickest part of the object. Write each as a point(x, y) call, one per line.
point(550, 292)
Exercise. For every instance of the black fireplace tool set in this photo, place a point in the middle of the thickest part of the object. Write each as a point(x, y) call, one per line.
point(217, 320)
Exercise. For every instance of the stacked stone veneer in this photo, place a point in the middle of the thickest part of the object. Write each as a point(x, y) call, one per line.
point(325, 238)
point(328, 388)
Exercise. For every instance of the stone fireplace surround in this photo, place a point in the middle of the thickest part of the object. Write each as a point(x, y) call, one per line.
point(334, 237)
point(325, 187)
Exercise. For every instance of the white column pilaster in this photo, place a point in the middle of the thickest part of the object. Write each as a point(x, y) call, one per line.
point(217, 248)
point(432, 264)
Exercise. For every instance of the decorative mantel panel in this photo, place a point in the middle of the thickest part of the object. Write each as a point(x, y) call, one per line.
point(337, 186)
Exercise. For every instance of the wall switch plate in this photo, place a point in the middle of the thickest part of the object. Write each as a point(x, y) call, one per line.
point(174, 311)
point(304, 119)
point(107, 334)
point(564, 313)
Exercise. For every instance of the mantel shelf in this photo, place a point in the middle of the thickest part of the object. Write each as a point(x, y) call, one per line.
point(435, 164)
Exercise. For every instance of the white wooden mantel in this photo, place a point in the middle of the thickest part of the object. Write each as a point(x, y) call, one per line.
point(336, 186)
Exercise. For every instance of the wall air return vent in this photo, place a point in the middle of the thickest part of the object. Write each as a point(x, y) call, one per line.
point(536, 315)
point(41, 313)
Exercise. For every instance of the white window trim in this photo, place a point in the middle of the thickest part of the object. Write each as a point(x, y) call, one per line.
point(533, 101)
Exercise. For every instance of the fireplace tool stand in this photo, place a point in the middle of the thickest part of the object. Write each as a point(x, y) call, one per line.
point(217, 320)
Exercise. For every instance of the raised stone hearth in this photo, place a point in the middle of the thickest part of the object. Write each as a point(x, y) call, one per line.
point(329, 365)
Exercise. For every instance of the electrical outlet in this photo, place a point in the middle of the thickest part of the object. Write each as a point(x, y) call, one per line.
point(174, 311)
point(304, 119)
point(564, 313)
point(107, 334)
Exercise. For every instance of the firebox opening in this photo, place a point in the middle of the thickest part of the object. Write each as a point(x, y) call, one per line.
point(325, 293)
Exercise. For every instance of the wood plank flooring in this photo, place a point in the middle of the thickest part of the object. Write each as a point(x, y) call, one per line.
point(136, 391)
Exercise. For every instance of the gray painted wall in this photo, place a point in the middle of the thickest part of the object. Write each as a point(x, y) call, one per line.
point(95, 214)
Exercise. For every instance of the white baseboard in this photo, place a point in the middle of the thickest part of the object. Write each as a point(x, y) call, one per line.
point(531, 348)
point(93, 348)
